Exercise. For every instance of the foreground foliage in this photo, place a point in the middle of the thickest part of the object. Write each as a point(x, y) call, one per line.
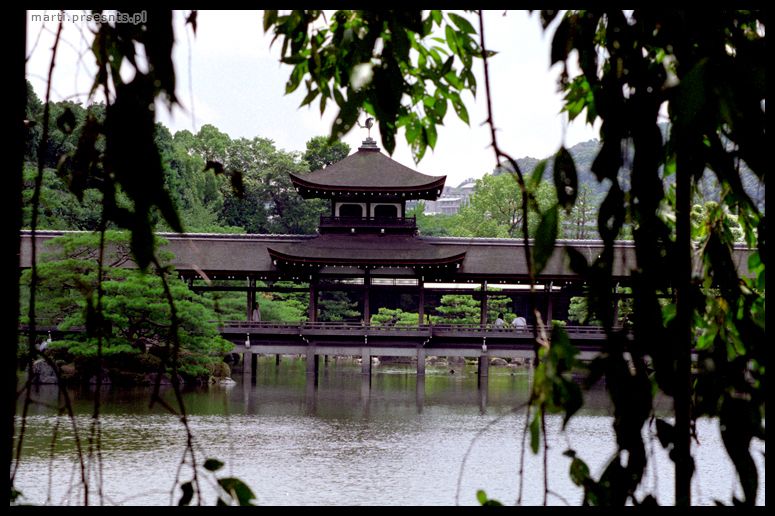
point(707, 69)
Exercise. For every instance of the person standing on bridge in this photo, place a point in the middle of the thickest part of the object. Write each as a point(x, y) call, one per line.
point(499, 322)
point(519, 323)
point(256, 314)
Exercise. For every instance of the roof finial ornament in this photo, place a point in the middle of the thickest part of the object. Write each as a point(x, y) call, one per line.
point(368, 144)
point(367, 125)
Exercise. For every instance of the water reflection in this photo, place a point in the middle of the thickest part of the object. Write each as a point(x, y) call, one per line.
point(392, 438)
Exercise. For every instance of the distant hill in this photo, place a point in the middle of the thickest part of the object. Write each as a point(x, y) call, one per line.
point(584, 155)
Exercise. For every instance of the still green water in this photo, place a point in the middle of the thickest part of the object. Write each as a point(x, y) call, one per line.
point(394, 440)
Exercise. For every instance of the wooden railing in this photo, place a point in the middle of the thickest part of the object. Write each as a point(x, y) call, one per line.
point(347, 327)
point(386, 222)
point(350, 328)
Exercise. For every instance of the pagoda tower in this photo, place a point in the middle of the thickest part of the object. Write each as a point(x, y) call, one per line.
point(366, 233)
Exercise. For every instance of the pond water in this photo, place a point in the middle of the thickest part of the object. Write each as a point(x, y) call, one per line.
point(393, 440)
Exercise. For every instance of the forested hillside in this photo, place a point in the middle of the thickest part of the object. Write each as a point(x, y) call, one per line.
point(218, 184)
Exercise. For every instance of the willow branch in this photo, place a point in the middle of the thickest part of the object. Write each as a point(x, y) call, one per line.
point(35, 202)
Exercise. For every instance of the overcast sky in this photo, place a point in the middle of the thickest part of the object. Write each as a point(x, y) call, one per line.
point(237, 84)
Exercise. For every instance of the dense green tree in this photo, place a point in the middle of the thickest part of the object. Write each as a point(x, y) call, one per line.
point(320, 152)
point(581, 223)
point(466, 309)
point(135, 311)
point(394, 317)
point(494, 209)
point(338, 306)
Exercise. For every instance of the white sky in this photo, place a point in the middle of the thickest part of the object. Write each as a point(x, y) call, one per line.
point(237, 84)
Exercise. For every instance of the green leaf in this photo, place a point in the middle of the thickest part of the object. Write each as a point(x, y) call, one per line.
point(547, 16)
point(537, 175)
point(579, 471)
point(546, 235)
point(462, 24)
point(535, 432)
point(346, 118)
point(238, 490)
point(462, 112)
point(294, 60)
point(483, 500)
point(565, 179)
point(310, 97)
point(430, 135)
point(451, 35)
point(447, 66)
point(66, 121)
point(665, 433)
point(562, 42)
point(215, 166)
point(270, 18)
point(213, 464)
point(578, 263)
point(188, 493)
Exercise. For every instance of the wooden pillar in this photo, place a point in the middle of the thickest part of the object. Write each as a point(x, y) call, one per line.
point(312, 362)
point(251, 298)
point(366, 361)
point(277, 359)
point(366, 295)
point(484, 368)
point(549, 297)
point(421, 301)
point(247, 366)
point(313, 299)
point(483, 304)
point(421, 362)
point(253, 366)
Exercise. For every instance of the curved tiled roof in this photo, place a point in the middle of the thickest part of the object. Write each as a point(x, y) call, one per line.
point(330, 249)
point(368, 170)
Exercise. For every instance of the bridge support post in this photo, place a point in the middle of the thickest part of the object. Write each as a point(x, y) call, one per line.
point(366, 361)
point(313, 299)
point(247, 366)
point(253, 366)
point(549, 298)
point(312, 364)
point(421, 362)
point(421, 302)
point(484, 369)
point(277, 359)
point(366, 297)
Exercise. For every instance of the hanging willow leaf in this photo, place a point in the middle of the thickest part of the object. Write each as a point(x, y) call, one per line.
point(188, 494)
point(215, 166)
point(238, 490)
point(237, 185)
point(66, 121)
point(546, 235)
point(565, 179)
point(213, 464)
